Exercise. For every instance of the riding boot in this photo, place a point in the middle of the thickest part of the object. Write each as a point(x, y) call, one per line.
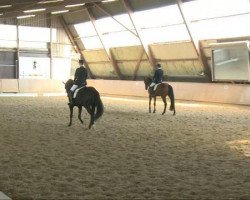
point(71, 100)
point(152, 91)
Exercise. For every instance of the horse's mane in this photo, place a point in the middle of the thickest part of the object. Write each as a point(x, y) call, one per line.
point(69, 84)
point(69, 81)
point(148, 79)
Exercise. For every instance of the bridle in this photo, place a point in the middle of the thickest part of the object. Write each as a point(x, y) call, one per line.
point(147, 82)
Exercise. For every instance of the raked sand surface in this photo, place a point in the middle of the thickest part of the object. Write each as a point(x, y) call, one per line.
point(201, 153)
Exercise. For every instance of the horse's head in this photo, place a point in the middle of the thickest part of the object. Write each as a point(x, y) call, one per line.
point(147, 82)
point(68, 85)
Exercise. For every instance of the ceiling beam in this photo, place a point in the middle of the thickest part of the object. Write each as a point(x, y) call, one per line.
point(187, 24)
point(204, 60)
point(194, 41)
point(75, 44)
point(50, 45)
point(108, 14)
point(143, 42)
point(17, 53)
point(105, 47)
point(138, 63)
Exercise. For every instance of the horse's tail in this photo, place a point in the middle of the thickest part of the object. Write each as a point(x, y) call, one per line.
point(99, 106)
point(171, 96)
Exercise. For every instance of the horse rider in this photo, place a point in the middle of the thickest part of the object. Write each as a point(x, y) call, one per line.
point(81, 75)
point(158, 77)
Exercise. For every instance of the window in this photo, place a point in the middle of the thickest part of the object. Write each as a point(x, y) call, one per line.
point(34, 37)
point(204, 9)
point(87, 33)
point(8, 36)
point(114, 34)
point(85, 29)
point(161, 25)
point(212, 19)
point(92, 42)
point(222, 28)
point(158, 17)
point(165, 34)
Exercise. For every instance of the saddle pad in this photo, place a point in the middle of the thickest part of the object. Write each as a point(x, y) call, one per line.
point(76, 91)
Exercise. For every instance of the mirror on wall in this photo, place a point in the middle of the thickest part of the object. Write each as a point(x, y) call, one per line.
point(230, 61)
point(34, 67)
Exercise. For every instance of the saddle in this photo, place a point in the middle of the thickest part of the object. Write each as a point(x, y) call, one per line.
point(154, 87)
point(77, 90)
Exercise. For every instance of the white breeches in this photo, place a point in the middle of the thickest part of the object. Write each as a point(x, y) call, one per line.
point(72, 89)
point(154, 85)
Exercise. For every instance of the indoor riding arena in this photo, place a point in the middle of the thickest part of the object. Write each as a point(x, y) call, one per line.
point(118, 143)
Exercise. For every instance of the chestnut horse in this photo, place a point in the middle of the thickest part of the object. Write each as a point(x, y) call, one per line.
point(163, 90)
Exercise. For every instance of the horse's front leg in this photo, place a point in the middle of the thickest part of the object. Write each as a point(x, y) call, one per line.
point(154, 103)
point(80, 114)
point(149, 104)
point(71, 115)
point(165, 104)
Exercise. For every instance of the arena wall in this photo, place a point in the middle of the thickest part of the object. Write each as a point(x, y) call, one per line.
point(206, 92)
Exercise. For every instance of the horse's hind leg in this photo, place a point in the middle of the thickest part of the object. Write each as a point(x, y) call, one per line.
point(149, 104)
point(80, 114)
point(165, 104)
point(154, 104)
point(91, 111)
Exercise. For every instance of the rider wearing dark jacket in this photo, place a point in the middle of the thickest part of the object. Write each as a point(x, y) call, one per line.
point(81, 75)
point(158, 75)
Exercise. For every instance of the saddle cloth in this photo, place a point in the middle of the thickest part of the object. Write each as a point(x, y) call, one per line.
point(77, 90)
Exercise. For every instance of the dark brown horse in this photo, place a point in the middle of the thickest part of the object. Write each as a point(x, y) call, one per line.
point(89, 98)
point(162, 90)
